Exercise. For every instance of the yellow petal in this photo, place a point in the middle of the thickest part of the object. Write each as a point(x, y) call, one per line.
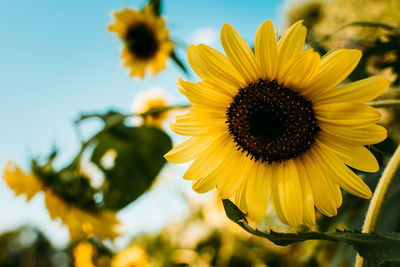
point(240, 196)
point(286, 193)
point(343, 176)
point(308, 198)
point(205, 184)
point(266, 50)
point(300, 69)
point(360, 91)
point(323, 196)
point(189, 149)
point(20, 182)
point(335, 189)
point(258, 191)
point(193, 125)
point(239, 54)
point(275, 193)
point(231, 171)
point(209, 159)
point(212, 65)
point(363, 136)
point(290, 44)
point(351, 115)
point(202, 93)
point(82, 223)
point(334, 68)
point(356, 156)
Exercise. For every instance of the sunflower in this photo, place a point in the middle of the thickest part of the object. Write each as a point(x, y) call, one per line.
point(80, 222)
point(146, 40)
point(277, 125)
point(132, 256)
point(151, 99)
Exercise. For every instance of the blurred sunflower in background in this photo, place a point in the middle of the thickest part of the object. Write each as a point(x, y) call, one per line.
point(152, 99)
point(81, 223)
point(147, 45)
point(275, 125)
point(132, 256)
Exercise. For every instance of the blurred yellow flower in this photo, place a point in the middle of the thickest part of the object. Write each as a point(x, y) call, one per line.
point(132, 256)
point(20, 182)
point(83, 255)
point(274, 125)
point(151, 99)
point(146, 40)
point(80, 222)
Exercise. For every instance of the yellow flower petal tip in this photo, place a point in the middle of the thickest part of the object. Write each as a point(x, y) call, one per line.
point(265, 127)
point(147, 45)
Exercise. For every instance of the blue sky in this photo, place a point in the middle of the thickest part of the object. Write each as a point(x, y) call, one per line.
point(57, 60)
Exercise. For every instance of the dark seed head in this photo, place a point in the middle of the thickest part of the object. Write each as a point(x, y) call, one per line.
point(271, 122)
point(141, 41)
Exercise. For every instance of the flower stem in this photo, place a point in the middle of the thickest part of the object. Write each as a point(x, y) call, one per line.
point(120, 119)
point(376, 205)
point(387, 103)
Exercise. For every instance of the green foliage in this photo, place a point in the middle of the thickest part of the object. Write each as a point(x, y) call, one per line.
point(139, 158)
point(178, 61)
point(378, 248)
point(29, 248)
point(68, 182)
point(156, 5)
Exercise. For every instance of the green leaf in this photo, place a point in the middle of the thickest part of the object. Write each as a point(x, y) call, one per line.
point(139, 158)
point(232, 211)
point(378, 248)
point(156, 4)
point(68, 183)
point(178, 62)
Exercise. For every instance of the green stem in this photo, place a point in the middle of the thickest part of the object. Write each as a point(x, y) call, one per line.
point(388, 103)
point(376, 205)
point(117, 121)
point(162, 109)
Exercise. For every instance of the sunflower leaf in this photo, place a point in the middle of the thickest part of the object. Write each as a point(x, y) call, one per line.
point(233, 212)
point(138, 160)
point(178, 62)
point(377, 248)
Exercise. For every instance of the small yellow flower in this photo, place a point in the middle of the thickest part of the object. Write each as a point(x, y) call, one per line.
point(83, 255)
point(132, 256)
point(146, 40)
point(276, 124)
point(151, 99)
point(80, 222)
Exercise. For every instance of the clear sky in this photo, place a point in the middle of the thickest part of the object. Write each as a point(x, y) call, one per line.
point(57, 60)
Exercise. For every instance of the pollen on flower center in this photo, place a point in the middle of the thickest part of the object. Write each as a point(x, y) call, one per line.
point(141, 41)
point(271, 122)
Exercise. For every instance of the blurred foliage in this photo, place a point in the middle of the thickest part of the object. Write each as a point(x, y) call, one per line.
point(27, 247)
point(378, 248)
point(369, 25)
point(137, 158)
point(208, 238)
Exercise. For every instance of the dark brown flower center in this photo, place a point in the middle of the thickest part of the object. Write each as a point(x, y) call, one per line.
point(141, 41)
point(271, 122)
